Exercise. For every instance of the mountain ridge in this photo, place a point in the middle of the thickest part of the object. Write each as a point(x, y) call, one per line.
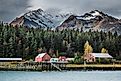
point(39, 18)
point(94, 20)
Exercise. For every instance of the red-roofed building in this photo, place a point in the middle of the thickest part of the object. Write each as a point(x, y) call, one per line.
point(62, 58)
point(42, 57)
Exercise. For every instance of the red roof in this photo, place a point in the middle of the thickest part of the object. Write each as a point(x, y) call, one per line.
point(62, 58)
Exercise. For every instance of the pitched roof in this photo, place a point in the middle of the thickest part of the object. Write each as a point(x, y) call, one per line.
point(102, 55)
point(41, 55)
point(10, 58)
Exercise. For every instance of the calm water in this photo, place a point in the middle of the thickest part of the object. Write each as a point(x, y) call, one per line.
point(61, 76)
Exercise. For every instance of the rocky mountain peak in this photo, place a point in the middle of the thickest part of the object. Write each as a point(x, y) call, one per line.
point(40, 18)
point(93, 20)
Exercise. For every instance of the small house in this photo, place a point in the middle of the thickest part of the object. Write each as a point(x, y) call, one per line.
point(62, 58)
point(92, 57)
point(54, 60)
point(42, 57)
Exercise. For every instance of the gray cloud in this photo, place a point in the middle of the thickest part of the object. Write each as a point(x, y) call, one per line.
point(9, 9)
point(112, 7)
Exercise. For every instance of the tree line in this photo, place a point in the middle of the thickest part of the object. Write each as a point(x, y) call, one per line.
point(28, 42)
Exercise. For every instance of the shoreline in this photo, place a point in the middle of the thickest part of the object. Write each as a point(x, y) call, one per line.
point(60, 67)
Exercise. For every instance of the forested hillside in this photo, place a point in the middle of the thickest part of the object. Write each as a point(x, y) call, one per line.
point(28, 42)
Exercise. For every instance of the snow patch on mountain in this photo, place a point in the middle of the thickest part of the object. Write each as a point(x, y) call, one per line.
point(94, 20)
point(89, 16)
point(40, 18)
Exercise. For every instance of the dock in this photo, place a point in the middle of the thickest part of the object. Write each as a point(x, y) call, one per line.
point(94, 66)
point(23, 66)
point(47, 66)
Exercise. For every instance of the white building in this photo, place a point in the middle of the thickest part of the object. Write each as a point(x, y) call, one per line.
point(10, 59)
point(54, 60)
point(91, 57)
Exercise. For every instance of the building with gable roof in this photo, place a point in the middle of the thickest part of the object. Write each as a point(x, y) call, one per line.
point(42, 57)
point(92, 57)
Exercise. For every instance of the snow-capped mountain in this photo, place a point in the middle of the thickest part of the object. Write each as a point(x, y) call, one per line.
point(94, 20)
point(40, 18)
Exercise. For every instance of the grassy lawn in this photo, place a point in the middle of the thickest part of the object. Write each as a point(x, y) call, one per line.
point(93, 65)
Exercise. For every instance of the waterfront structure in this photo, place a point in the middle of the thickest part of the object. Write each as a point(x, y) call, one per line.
point(54, 60)
point(42, 57)
point(10, 59)
point(92, 57)
point(69, 59)
point(62, 58)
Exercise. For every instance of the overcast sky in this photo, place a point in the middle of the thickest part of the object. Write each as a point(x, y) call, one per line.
point(9, 9)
